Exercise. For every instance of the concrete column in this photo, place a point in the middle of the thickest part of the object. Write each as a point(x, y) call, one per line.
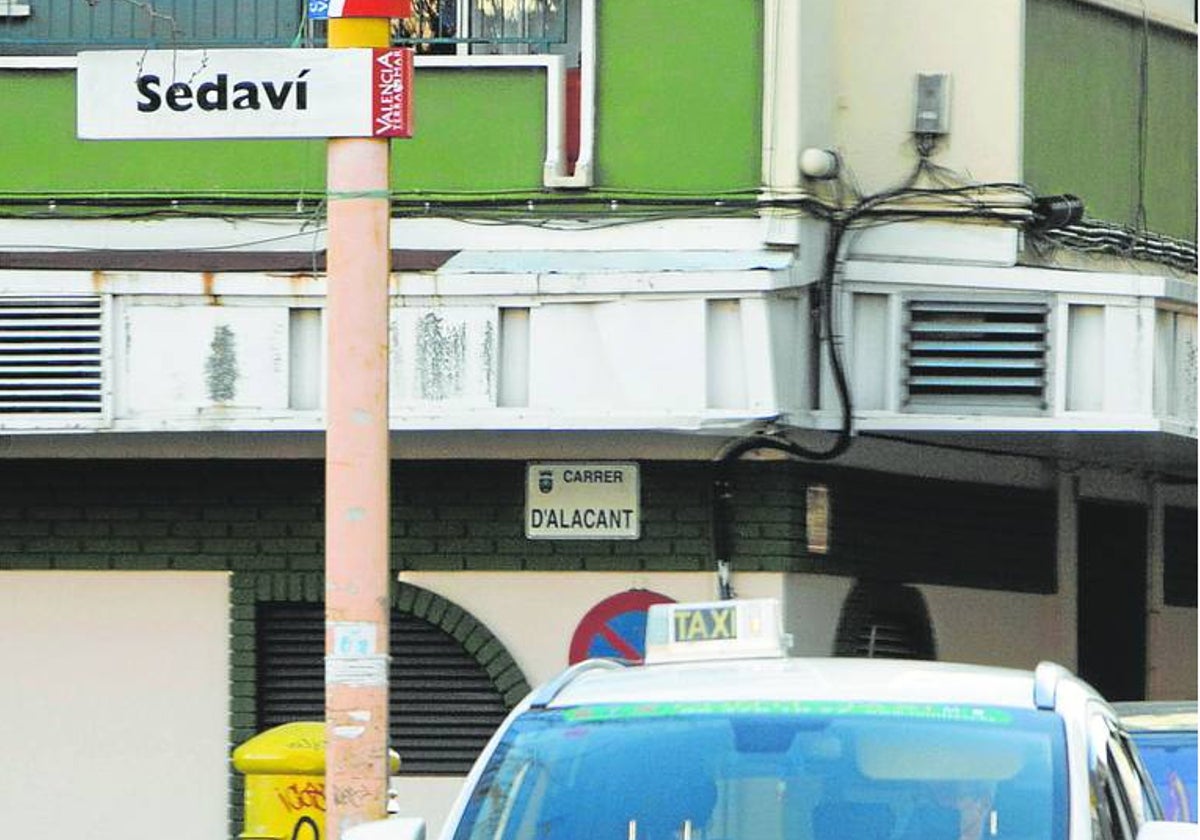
point(1068, 570)
point(357, 509)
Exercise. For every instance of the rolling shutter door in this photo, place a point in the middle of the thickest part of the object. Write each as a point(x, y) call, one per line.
point(443, 706)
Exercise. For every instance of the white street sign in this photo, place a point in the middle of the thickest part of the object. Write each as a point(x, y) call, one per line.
point(244, 93)
point(575, 501)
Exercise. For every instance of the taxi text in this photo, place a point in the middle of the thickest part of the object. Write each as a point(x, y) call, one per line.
point(705, 624)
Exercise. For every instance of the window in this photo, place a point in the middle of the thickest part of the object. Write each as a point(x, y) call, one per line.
point(58, 27)
point(1179, 557)
point(490, 27)
point(1121, 799)
point(802, 770)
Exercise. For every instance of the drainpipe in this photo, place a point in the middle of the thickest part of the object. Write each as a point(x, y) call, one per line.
point(555, 167)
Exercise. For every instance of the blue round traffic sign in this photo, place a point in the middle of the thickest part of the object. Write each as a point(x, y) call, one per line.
point(616, 627)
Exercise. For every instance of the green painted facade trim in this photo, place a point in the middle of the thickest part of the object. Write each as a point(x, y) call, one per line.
point(474, 131)
point(53, 163)
point(1082, 90)
point(477, 131)
point(679, 114)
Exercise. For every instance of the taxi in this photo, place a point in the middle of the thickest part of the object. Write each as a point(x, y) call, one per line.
point(720, 735)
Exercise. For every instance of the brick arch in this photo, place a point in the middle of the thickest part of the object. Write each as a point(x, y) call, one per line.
point(471, 633)
point(477, 640)
point(249, 588)
point(885, 619)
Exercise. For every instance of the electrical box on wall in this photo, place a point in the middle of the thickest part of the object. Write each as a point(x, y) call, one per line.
point(932, 104)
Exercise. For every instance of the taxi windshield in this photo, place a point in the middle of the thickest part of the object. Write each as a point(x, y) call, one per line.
point(798, 770)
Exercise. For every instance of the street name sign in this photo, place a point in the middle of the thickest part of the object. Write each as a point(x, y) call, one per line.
point(322, 9)
point(575, 501)
point(244, 93)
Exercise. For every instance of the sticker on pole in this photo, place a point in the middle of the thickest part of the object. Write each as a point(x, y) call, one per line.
point(323, 9)
point(392, 85)
point(244, 94)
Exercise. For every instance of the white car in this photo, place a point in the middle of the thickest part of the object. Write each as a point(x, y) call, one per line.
point(721, 736)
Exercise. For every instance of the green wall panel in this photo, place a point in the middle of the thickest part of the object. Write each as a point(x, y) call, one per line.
point(1081, 114)
point(482, 129)
point(1171, 173)
point(475, 130)
point(52, 161)
point(675, 114)
point(679, 95)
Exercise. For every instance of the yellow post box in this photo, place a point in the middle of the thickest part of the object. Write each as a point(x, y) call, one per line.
point(285, 782)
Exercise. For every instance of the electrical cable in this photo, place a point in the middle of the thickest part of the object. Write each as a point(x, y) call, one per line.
point(1143, 121)
point(823, 291)
point(871, 210)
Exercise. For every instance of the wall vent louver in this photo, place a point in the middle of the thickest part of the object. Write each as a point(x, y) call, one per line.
point(50, 355)
point(966, 354)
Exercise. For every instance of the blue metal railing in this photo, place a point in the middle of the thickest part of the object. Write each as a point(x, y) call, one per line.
point(67, 26)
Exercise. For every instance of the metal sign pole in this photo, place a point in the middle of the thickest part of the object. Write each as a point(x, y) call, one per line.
point(357, 600)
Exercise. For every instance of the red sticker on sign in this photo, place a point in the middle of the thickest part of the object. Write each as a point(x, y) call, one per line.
point(391, 109)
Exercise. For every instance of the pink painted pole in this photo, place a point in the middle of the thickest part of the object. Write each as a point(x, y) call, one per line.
point(357, 600)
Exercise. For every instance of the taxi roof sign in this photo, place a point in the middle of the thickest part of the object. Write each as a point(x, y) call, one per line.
point(739, 629)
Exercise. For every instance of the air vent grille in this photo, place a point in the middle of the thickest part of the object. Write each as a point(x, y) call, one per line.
point(50, 355)
point(976, 353)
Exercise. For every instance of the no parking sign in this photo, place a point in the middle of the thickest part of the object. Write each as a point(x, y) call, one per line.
point(616, 627)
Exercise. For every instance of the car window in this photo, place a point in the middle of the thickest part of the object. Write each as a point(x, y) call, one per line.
point(1135, 782)
point(795, 770)
point(1122, 796)
point(1171, 760)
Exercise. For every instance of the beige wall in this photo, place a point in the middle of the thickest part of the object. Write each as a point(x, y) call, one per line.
point(534, 614)
point(882, 45)
point(428, 797)
point(1174, 656)
point(996, 628)
point(114, 703)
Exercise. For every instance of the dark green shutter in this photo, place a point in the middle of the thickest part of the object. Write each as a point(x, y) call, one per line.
point(885, 621)
point(443, 706)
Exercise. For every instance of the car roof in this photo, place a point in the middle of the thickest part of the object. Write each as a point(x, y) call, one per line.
point(831, 678)
point(1158, 715)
